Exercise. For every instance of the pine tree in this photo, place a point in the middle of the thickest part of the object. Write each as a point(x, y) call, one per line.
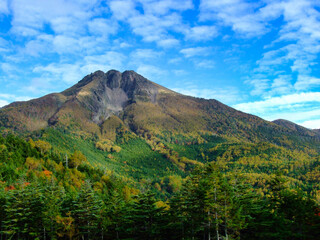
point(3, 202)
point(144, 217)
point(24, 210)
point(88, 212)
point(53, 195)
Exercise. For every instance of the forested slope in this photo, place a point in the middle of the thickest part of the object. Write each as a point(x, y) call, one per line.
point(44, 197)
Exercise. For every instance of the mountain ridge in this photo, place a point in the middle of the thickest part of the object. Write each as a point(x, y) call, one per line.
point(144, 107)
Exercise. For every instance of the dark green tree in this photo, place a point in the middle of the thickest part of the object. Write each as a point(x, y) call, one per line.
point(87, 212)
point(143, 217)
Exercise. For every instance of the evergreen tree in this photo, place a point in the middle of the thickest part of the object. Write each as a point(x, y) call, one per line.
point(88, 212)
point(53, 195)
point(143, 217)
point(24, 213)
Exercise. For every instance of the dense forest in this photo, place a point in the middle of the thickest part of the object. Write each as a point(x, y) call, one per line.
point(48, 195)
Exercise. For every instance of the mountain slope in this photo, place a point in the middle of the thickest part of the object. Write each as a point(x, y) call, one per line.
point(302, 131)
point(102, 102)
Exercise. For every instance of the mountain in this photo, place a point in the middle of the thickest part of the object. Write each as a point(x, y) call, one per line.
point(302, 131)
point(138, 128)
point(100, 102)
point(114, 144)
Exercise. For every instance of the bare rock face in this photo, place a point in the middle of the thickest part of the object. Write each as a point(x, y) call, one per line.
point(107, 94)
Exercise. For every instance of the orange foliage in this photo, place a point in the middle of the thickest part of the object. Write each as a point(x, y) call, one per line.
point(47, 173)
point(11, 187)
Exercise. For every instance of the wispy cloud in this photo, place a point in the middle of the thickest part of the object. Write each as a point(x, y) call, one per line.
point(282, 101)
point(29, 19)
point(271, 47)
point(71, 73)
point(228, 95)
point(196, 51)
point(4, 7)
point(151, 72)
point(145, 54)
point(5, 99)
point(201, 33)
point(312, 124)
point(306, 82)
point(298, 107)
point(3, 103)
point(243, 17)
point(299, 38)
point(156, 21)
point(102, 27)
point(162, 7)
point(123, 9)
point(205, 64)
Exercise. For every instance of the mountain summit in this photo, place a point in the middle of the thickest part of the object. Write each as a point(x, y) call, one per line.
point(99, 95)
point(107, 94)
point(102, 102)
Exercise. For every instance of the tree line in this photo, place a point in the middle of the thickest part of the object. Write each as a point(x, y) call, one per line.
point(42, 197)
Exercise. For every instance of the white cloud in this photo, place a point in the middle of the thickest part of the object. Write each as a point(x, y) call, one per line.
point(196, 51)
point(154, 28)
point(205, 64)
point(298, 107)
point(64, 17)
point(72, 73)
point(4, 7)
point(3, 103)
point(201, 33)
point(22, 98)
point(299, 38)
point(4, 45)
point(226, 95)
point(162, 7)
point(103, 27)
point(65, 44)
point(168, 43)
point(150, 72)
point(156, 22)
point(306, 82)
point(122, 9)
point(260, 84)
point(11, 71)
point(296, 115)
point(7, 98)
point(103, 62)
point(40, 45)
point(180, 72)
point(286, 100)
point(175, 60)
point(242, 17)
point(67, 25)
point(41, 85)
point(68, 73)
point(312, 124)
point(144, 54)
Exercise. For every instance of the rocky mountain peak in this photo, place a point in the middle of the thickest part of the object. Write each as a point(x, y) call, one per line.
point(106, 94)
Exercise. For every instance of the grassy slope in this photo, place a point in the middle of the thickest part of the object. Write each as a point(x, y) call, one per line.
point(138, 161)
point(135, 160)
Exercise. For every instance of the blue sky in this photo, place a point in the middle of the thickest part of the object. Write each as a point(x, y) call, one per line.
point(261, 57)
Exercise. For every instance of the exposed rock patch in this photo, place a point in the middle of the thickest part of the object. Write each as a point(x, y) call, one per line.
point(111, 92)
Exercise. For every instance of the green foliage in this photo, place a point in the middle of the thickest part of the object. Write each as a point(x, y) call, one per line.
point(252, 190)
point(107, 146)
point(76, 159)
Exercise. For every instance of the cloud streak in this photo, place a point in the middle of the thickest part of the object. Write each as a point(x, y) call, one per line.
point(298, 107)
